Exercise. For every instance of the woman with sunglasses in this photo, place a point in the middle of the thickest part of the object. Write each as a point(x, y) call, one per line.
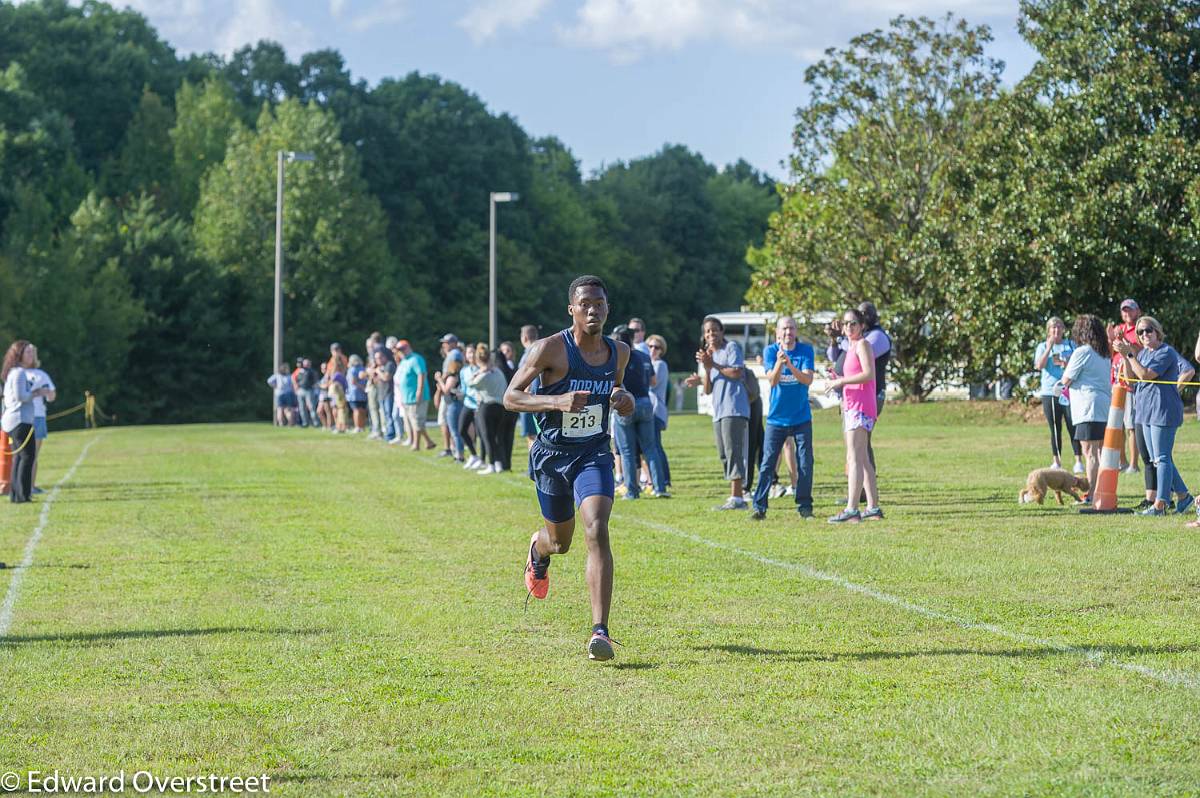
point(859, 413)
point(1157, 408)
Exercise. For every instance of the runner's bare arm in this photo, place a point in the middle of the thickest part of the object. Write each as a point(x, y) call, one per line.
point(543, 357)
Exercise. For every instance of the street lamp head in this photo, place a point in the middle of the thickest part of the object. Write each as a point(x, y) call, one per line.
point(292, 157)
point(505, 196)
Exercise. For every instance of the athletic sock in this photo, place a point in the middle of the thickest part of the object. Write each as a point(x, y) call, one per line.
point(600, 629)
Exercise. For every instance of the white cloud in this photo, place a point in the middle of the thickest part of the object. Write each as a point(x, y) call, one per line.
point(484, 19)
point(336, 7)
point(385, 12)
point(193, 26)
point(629, 29)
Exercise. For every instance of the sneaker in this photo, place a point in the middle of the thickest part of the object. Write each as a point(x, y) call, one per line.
point(1133, 470)
point(394, 442)
point(733, 503)
point(1077, 468)
point(804, 512)
point(662, 494)
point(537, 573)
point(776, 491)
point(629, 497)
point(759, 515)
point(621, 490)
point(37, 492)
point(1143, 504)
point(472, 462)
point(789, 491)
point(445, 453)
point(600, 647)
point(1152, 510)
point(1185, 504)
point(846, 517)
point(872, 514)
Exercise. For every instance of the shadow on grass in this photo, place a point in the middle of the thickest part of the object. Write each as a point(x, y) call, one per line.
point(780, 655)
point(146, 634)
point(635, 666)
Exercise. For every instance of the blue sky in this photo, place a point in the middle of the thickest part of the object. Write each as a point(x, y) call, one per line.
point(614, 79)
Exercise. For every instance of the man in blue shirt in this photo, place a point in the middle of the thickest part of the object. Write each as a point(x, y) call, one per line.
point(414, 382)
point(789, 365)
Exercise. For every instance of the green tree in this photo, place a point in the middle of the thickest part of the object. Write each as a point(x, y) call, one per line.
point(36, 150)
point(90, 62)
point(206, 117)
point(1083, 185)
point(146, 157)
point(85, 341)
point(870, 214)
point(337, 276)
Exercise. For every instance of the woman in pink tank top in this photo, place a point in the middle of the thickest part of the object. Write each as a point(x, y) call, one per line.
point(859, 412)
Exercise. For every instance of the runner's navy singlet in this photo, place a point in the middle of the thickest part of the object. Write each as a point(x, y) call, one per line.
point(588, 428)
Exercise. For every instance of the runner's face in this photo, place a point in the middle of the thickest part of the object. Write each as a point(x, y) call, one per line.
point(590, 309)
point(29, 357)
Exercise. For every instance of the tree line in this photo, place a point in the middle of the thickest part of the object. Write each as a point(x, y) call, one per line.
point(970, 212)
point(137, 214)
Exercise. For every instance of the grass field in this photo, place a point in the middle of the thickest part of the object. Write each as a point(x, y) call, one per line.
point(347, 618)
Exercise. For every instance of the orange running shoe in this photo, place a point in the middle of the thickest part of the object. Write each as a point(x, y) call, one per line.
point(600, 647)
point(537, 572)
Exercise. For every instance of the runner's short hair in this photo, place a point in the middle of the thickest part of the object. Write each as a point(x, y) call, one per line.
point(584, 280)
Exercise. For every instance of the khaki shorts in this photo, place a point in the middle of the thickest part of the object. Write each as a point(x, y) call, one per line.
point(415, 415)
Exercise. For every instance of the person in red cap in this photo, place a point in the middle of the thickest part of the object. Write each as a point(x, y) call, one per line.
point(1126, 331)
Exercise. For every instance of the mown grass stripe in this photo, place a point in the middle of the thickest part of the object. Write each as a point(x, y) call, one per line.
point(1174, 678)
point(14, 586)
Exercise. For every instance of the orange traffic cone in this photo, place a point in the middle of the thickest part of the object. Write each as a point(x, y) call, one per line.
point(6, 458)
point(1104, 492)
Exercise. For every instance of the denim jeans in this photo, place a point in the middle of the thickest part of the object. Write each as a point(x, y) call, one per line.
point(1160, 441)
point(773, 439)
point(635, 432)
point(308, 409)
point(386, 406)
point(659, 427)
point(453, 414)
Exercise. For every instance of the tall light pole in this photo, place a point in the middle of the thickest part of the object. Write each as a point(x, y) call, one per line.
point(281, 156)
point(496, 196)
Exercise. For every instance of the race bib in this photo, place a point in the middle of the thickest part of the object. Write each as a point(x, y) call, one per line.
point(585, 423)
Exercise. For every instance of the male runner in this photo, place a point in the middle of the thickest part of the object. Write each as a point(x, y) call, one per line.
point(581, 373)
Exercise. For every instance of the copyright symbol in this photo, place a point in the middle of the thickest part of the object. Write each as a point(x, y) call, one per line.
point(10, 781)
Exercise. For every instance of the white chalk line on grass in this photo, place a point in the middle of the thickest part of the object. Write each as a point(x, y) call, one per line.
point(1174, 678)
point(14, 585)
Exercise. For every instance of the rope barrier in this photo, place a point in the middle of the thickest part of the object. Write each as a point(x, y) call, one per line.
point(1158, 382)
point(28, 438)
point(74, 409)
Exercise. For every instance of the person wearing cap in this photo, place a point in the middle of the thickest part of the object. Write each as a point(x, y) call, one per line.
point(448, 404)
point(413, 376)
point(1126, 331)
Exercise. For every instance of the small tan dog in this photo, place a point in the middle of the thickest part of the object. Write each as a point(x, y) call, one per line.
point(1043, 480)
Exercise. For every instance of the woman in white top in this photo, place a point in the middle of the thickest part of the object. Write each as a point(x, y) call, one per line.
point(1087, 377)
point(18, 419)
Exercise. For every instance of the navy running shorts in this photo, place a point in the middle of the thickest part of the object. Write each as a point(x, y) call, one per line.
point(564, 478)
